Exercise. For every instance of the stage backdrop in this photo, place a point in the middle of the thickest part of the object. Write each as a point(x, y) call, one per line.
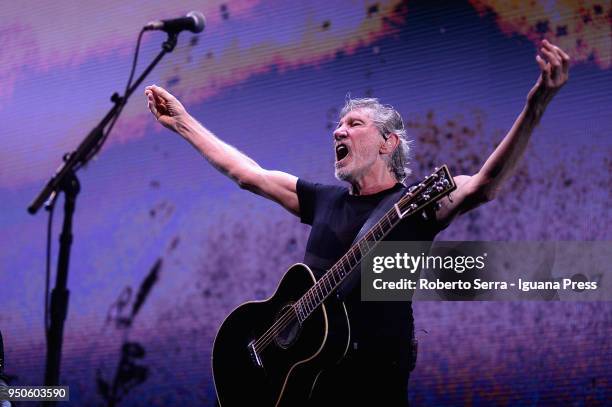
point(164, 246)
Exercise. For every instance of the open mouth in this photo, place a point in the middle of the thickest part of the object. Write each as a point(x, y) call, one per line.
point(341, 152)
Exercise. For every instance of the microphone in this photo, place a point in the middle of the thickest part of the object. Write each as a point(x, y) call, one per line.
point(194, 21)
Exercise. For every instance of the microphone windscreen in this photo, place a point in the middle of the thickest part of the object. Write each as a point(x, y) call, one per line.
point(200, 21)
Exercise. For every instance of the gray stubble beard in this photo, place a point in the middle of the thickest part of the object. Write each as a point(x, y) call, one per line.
point(342, 174)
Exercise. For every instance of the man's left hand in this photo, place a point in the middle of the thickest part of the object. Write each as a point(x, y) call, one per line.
point(554, 66)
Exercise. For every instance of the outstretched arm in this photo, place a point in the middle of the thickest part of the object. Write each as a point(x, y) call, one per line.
point(277, 186)
point(483, 186)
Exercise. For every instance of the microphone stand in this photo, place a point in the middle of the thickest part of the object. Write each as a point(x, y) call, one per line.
point(65, 180)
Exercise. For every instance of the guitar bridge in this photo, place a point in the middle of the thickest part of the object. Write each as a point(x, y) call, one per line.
point(254, 355)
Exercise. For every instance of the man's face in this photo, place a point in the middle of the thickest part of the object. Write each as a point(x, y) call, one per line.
point(357, 142)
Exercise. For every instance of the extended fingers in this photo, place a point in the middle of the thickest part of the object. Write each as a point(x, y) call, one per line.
point(553, 60)
point(551, 56)
point(559, 54)
point(553, 48)
point(151, 103)
point(159, 91)
point(565, 58)
point(544, 67)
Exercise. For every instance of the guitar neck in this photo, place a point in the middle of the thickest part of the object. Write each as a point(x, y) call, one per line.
point(333, 278)
point(430, 190)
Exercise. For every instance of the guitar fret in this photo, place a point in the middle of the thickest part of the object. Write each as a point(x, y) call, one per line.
point(310, 307)
point(324, 289)
point(386, 219)
point(365, 244)
point(300, 310)
point(325, 282)
point(380, 233)
point(361, 245)
point(354, 257)
point(350, 265)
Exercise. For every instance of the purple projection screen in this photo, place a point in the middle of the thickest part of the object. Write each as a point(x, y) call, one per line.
point(165, 246)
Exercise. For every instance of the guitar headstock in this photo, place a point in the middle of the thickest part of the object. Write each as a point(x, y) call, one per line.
point(433, 188)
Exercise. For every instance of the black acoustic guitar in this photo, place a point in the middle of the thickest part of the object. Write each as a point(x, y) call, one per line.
point(269, 353)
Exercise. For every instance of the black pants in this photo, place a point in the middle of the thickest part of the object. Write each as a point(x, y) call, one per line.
point(363, 379)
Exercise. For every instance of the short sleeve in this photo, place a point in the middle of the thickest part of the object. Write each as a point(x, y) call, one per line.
point(306, 192)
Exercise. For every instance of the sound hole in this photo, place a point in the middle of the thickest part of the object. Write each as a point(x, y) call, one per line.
point(288, 334)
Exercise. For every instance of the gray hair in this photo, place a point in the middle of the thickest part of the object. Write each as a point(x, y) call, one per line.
point(387, 120)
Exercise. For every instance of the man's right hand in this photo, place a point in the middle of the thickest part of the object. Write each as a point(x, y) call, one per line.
point(165, 107)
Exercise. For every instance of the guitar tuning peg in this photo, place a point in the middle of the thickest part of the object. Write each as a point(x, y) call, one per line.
point(437, 206)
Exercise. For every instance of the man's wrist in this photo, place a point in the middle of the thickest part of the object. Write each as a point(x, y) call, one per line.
point(537, 101)
point(185, 124)
point(540, 97)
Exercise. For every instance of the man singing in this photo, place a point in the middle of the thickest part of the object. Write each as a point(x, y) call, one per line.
point(372, 157)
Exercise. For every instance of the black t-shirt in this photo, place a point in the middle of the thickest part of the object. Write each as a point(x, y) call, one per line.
point(336, 217)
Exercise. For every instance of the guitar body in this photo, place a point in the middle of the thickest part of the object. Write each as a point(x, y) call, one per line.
point(283, 371)
point(265, 356)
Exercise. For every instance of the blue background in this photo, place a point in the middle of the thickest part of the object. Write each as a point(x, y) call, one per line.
point(269, 78)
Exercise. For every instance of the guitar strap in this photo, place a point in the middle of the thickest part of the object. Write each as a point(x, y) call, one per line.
point(377, 214)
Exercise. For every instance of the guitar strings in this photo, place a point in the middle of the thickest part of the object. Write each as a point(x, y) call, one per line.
point(280, 324)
